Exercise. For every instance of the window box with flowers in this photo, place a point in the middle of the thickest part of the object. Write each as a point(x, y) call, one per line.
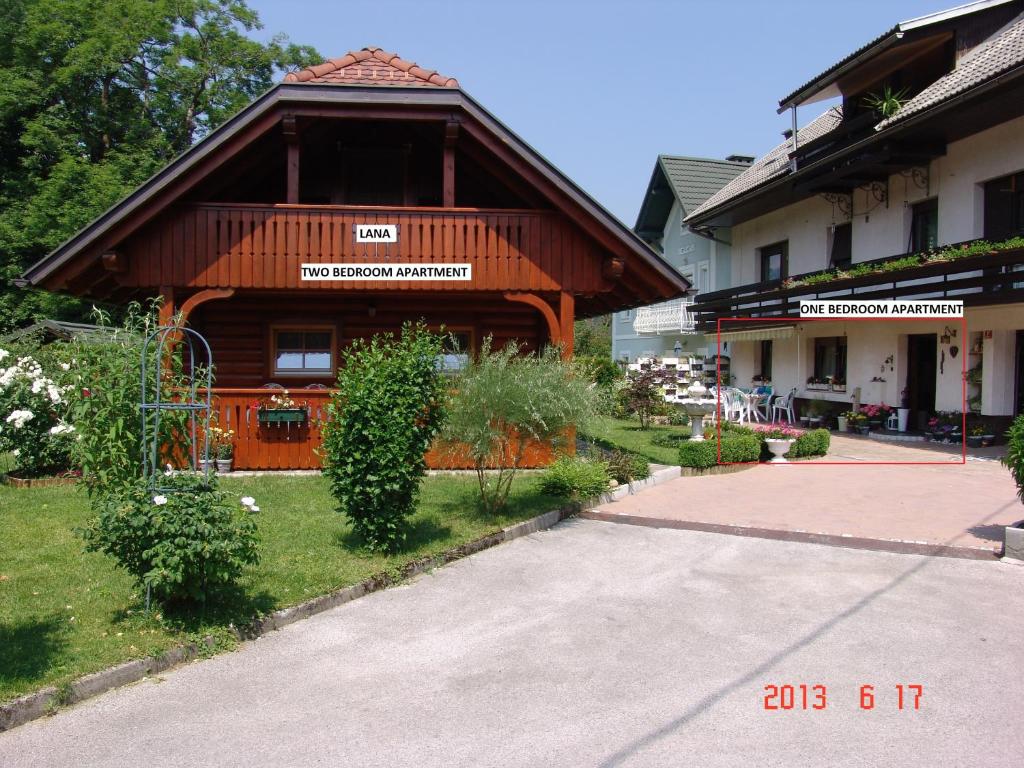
point(281, 409)
point(815, 384)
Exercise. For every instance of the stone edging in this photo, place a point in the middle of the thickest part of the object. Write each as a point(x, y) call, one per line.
point(45, 701)
point(897, 546)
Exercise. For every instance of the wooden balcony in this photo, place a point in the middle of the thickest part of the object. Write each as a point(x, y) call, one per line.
point(992, 278)
point(264, 246)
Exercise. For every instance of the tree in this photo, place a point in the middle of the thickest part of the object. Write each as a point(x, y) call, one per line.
point(95, 96)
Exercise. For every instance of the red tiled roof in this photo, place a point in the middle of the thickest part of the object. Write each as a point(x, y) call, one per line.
point(371, 66)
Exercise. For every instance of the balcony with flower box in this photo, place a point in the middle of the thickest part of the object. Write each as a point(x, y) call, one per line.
point(975, 272)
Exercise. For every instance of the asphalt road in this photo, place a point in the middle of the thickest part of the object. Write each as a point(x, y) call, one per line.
point(597, 644)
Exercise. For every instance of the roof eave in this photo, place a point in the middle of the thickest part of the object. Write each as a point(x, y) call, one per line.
point(827, 78)
point(309, 92)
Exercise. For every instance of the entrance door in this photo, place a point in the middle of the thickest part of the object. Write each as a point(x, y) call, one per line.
point(921, 368)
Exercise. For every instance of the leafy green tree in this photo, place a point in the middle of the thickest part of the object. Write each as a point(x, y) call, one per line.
point(389, 405)
point(95, 96)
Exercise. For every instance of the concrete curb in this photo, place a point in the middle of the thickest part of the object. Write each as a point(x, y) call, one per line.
point(34, 705)
point(897, 546)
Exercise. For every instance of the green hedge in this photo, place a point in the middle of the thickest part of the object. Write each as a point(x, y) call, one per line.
point(812, 443)
point(704, 454)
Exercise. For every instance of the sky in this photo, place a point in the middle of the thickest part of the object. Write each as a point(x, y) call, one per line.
point(602, 87)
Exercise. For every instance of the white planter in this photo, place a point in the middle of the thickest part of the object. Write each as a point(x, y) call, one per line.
point(779, 448)
point(903, 416)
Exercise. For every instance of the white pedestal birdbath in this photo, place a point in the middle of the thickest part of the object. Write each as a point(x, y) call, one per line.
point(697, 405)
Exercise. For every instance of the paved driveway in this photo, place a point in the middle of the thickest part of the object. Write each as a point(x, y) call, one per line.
point(597, 644)
point(957, 508)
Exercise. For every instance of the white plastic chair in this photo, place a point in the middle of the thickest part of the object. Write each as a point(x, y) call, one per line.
point(784, 405)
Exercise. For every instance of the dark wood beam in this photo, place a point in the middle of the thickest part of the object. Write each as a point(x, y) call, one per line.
point(289, 128)
point(451, 135)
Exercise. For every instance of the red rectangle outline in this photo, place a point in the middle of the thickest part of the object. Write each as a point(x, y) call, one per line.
point(792, 321)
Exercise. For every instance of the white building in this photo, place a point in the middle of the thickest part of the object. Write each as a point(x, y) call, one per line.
point(943, 164)
point(678, 186)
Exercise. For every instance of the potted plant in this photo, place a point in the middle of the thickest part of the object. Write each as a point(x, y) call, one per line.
point(838, 384)
point(974, 437)
point(903, 412)
point(987, 439)
point(225, 455)
point(876, 414)
point(843, 421)
point(858, 422)
point(222, 447)
point(779, 442)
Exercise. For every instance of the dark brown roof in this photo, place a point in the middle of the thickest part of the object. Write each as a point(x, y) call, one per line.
point(371, 66)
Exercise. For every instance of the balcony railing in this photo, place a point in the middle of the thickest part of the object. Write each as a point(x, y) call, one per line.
point(667, 317)
point(991, 278)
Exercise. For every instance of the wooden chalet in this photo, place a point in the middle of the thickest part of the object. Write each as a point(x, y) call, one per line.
point(373, 168)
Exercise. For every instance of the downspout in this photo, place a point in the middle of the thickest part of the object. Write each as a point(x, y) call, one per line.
point(792, 161)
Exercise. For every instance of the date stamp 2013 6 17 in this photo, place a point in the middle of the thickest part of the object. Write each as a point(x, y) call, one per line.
point(803, 697)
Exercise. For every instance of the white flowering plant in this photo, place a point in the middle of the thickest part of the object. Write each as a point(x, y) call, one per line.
point(33, 416)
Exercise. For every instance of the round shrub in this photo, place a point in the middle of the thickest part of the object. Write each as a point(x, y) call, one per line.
point(1014, 458)
point(735, 448)
point(184, 543)
point(812, 443)
point(575, 478)
point(670, 439)
point(388, 407)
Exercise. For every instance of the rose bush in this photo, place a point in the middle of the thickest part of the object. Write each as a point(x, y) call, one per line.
point(33, 413)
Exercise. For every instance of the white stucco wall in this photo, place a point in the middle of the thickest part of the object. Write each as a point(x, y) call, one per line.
point(870, 344)
point(882, 229)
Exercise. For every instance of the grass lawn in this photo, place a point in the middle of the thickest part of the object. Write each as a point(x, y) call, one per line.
point(626, 434)
point(65, 613)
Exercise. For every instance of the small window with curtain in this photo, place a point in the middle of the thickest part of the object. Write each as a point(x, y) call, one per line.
point(773, 262)
point(841, 246)
point(924, 226)
point(830, 358)
point(303, 351)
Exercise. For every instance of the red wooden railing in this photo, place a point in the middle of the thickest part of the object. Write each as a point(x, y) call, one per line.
point(263, 247)
point(295, 446)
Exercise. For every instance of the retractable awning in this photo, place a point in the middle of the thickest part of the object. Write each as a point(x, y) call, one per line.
point(759, 334)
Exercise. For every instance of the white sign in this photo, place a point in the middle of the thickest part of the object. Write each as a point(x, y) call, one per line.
point(889, 309)
point(412, 272)
point(376, 233)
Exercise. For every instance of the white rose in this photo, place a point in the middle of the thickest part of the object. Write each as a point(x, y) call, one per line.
point(4, 353)
point(254, 508)
point(65, 366)
point(159, 500)
point(16, 452)
point(248, 501)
